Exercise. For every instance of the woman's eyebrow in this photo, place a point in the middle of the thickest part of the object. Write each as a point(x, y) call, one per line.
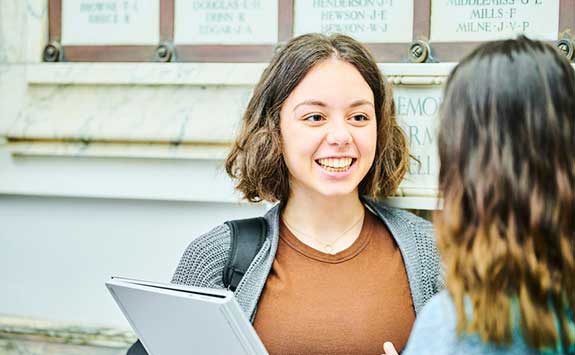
point(360, 103)
point(311, 103)
point(323, 104)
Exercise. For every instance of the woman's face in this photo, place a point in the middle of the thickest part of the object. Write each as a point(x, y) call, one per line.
point(329, 131)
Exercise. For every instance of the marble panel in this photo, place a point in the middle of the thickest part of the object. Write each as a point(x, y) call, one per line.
point(233, 74)
point(36, 29)
point(13, 30)
point(168, 113)
point(417, 108)
point(12, 94)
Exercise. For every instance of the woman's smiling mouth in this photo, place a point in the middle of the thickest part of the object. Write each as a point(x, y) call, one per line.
point(336, 165)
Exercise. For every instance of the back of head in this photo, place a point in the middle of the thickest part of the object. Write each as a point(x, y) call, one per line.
point(507, 153)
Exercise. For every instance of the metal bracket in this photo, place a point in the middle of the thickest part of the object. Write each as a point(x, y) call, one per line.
point(165, 52)
point(565, 46)
point(419, 52)
point(53, 52)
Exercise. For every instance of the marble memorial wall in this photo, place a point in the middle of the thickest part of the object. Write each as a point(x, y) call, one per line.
point(415, 42)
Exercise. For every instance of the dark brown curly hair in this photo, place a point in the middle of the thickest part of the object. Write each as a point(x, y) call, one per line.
point(255, 160)
point(507, 154)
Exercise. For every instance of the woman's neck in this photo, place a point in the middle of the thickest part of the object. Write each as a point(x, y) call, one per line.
point(323, 219)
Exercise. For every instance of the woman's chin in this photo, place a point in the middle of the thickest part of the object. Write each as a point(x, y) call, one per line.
point(338, 191)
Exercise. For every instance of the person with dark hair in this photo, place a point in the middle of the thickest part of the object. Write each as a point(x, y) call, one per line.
point(338, 272)
point(507, 229)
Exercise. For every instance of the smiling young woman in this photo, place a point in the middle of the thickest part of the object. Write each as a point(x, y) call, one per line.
point(329, 131)
point(339, 272)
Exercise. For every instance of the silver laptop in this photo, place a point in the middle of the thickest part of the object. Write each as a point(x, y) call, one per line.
point(176, 319)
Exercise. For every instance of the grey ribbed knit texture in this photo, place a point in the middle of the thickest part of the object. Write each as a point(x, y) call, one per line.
point(203, 261)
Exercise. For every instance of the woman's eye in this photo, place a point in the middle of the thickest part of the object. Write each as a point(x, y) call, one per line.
point(359, 118)
point(314, 118)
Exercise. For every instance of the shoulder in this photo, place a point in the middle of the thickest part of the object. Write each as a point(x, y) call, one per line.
point(203, 261)
point(405, 225)
point(439, 310)
point(398, 215)
point(434, 331)
point(416, 239)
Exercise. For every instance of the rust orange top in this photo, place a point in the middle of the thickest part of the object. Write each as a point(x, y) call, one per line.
point(346, 303)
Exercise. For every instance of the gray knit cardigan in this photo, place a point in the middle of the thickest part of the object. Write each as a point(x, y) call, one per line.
point(204, 259)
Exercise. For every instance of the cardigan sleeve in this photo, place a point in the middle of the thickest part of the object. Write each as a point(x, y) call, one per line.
point(431, 267)
point(203, 261)
point(436, 267)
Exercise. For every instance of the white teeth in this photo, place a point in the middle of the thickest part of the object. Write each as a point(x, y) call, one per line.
point(337, 163)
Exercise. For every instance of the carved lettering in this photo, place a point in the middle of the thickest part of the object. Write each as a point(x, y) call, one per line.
point(483, 20)
point(110, 22)
point(421, 166)
point(226, 22)
point(366, 20)
point(418, 106)
point(419, 135)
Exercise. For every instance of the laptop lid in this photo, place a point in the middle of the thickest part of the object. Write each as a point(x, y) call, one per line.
point(178, 319)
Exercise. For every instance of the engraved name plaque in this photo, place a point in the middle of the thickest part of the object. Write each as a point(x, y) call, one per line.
point(201, 22)
point(371, 21)
point(485, 20)
point(110, 22)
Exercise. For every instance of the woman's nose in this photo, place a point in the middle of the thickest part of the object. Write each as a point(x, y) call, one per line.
point(339, 134)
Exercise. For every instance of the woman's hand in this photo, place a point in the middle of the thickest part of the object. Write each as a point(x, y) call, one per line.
point(389, 349)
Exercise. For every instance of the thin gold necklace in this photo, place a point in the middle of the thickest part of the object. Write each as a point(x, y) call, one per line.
point(327, 247)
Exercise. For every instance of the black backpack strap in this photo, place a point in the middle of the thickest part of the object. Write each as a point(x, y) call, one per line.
point(248, 236)
point(137, 349)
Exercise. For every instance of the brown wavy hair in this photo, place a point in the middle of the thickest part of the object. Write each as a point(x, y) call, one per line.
point(507, 230)
point(255, 160)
